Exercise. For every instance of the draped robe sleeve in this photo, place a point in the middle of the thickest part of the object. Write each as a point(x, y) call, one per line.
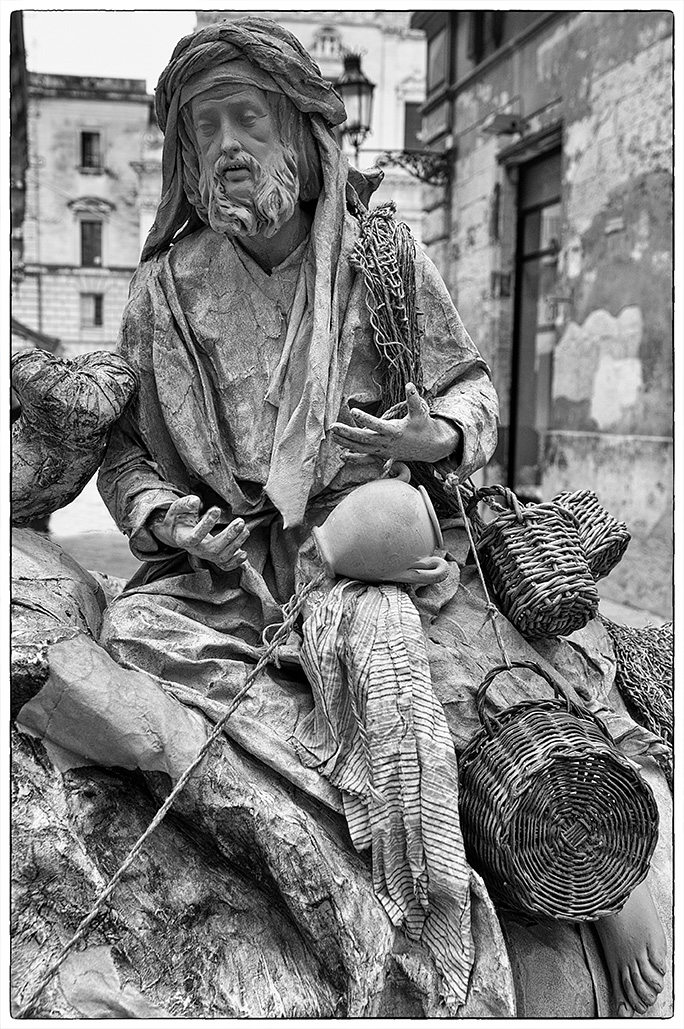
point(176, 438)
point(454, 373)
point(141, 472)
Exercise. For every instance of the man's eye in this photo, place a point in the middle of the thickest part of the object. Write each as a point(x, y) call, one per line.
point(206, 128)
point(248, 120)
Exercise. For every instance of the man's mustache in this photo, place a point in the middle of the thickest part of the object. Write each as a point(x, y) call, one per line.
point(225, 163)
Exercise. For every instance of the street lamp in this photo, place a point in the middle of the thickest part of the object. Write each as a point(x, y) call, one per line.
point(357, 94)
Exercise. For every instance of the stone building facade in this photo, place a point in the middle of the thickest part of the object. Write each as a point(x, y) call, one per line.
point(92, 184)
point(554, 236)
point(393, 58)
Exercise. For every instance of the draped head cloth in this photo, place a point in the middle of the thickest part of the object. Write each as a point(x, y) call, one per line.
point(306, 388)
point(255, 51)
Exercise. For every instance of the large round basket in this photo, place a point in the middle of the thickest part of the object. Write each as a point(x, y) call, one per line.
point(554, 818)
point(604, 539)
point(533, 559)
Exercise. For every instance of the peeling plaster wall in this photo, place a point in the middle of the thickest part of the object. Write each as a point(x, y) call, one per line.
point(632, 475)
point(606, 77)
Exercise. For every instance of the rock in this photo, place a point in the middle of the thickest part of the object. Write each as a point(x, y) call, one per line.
point(59, 440)
point(50, 590)
point(184, 935)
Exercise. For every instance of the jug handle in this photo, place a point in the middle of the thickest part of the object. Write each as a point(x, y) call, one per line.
point(397, 470)
point(426, 571)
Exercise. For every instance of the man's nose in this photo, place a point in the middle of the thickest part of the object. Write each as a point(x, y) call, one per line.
point(230, 144)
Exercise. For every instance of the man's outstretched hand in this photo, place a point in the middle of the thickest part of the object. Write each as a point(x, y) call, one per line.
point(416, 437)
point(183, 527)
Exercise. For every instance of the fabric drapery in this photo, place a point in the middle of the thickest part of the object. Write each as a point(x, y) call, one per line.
point(378, 733)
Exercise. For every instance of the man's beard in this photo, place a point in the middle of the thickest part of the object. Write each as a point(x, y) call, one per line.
point(273, 199)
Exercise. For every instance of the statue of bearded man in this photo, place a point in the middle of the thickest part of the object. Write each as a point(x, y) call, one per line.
point(258, 409)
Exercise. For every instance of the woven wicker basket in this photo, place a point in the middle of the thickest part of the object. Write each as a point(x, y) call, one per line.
point(554, 818)
point(604, 539)
point(534, 561)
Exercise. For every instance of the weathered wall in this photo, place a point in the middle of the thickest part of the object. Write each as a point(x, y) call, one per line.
point(606, 78)
point(632, 475)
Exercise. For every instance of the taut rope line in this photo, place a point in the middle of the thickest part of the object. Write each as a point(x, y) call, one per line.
point(451, 486)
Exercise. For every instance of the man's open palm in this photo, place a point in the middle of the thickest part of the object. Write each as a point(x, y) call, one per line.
point(415, 437)
point(185, 528)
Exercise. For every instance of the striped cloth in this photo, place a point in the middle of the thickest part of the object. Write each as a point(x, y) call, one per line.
point(378, 733)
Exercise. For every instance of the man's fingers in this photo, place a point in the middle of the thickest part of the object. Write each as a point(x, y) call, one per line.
point(367, 421)
point(205, 524)
point(184, 505)
point(417, 408)
point(237, 528)
point(221, 561)
point(229, 539)
point(238, 558)
point(375, 448)
point(351, 436)
point(226, 564)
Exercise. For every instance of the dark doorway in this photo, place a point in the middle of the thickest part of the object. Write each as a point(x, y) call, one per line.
point(534, 334)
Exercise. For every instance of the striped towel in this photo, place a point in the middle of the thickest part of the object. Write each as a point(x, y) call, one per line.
point(378, 733)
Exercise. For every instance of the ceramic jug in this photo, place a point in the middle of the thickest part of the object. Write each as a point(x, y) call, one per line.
point(383, 531)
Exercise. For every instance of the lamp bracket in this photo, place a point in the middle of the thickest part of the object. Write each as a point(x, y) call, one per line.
point(426, 165)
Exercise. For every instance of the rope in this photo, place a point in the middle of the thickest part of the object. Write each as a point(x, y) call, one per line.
point(452, 487)
point(385, 253)
point(291, 612)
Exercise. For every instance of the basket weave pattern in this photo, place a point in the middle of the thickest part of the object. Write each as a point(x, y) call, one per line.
point(644, 677)
point(533, 558)
point(554, 818)
point(604, 539)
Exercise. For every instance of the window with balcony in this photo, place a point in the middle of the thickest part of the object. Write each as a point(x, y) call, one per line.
point(91, 243)
point(92, 310)
point(91, 151)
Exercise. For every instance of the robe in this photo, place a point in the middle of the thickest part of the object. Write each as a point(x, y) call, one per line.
point(228, 378)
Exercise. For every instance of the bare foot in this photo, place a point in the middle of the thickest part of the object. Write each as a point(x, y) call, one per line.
point(635, 950)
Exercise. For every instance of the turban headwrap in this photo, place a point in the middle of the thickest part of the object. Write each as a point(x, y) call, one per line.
point(261, 53)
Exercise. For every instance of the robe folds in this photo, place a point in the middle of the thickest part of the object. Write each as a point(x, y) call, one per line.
point(234, 406)
point(234, 379)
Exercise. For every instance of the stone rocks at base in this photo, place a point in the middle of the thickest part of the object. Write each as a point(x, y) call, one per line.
point(184, 935)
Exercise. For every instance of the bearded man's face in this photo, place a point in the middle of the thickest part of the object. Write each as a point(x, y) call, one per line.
point(248, 177)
